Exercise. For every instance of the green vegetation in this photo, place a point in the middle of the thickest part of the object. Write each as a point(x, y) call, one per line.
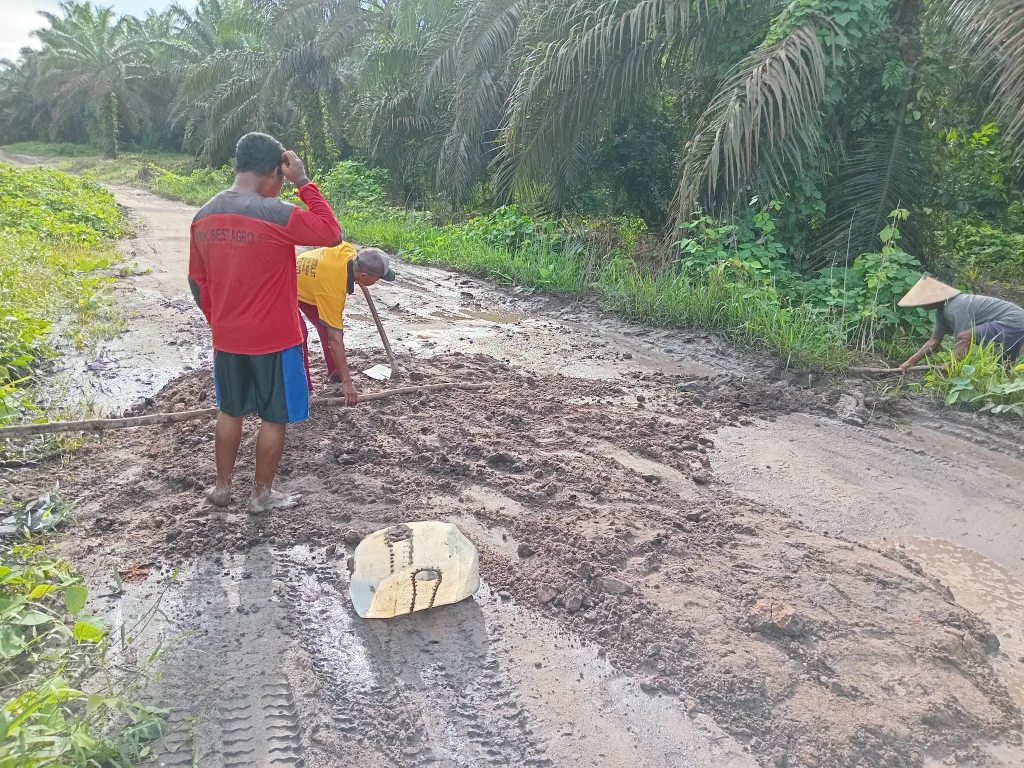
point(60, 704)
point(57, 236)
point(842, 110)
point(735, 278)
point(169, 174)
point(983, 381)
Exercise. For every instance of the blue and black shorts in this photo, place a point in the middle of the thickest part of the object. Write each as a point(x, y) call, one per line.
point(272, 385)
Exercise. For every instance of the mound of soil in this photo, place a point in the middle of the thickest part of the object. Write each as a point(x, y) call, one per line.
point(596, 502)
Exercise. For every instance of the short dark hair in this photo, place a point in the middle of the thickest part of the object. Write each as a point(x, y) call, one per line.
point(258, 153)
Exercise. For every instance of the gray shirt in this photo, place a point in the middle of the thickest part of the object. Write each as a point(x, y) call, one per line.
point(967, 311)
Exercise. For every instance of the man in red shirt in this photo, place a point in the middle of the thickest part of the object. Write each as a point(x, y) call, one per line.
point(243, 276)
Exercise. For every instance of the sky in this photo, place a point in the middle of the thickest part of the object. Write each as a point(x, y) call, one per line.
point(20, 17)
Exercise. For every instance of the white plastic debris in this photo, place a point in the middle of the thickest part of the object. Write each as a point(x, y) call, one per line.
point(411, 567)
point(380, 372)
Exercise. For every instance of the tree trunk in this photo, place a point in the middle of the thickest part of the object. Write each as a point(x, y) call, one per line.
point(109, 125)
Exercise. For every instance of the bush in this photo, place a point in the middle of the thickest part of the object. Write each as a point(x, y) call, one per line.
point(352, 185)
point(53, 709)
point(864, 297)
point(983, 380)
point(982, 250)
point(196, 188)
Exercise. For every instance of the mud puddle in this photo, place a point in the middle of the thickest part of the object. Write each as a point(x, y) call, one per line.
point(598, 511)
point(870, 483)
point(266, 664)
point(984, 587)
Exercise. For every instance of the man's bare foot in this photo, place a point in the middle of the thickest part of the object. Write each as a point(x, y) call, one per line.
point(273, 500)
point(220, 495)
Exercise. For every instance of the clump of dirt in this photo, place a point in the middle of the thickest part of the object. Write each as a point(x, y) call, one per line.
point(597, 502)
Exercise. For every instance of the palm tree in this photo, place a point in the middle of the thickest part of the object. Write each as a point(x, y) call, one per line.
point(265, 72)
point(20, 114)
point(94, 66)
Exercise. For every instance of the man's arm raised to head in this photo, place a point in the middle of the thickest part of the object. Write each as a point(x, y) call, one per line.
point(318, 225)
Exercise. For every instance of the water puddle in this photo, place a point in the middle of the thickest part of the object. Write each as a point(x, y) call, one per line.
point(983, 587)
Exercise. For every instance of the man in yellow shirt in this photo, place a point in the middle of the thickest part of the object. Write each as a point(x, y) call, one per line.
point(326, 276)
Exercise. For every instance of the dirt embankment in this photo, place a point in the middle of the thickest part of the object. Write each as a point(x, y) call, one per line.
point(597, 503)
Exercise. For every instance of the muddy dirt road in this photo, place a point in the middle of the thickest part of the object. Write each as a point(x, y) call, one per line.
point(650, 509)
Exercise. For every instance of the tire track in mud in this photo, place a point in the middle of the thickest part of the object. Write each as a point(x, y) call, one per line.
point(230, 699)
point(427, 689)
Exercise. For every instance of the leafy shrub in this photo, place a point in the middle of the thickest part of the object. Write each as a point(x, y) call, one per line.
point(983, 250)
point(983, 380)
point(506, 227)
point(351, 184)
point(196, 188)
point(864, 296)
point(53, 711)
point(973, 171)
point(744, 251)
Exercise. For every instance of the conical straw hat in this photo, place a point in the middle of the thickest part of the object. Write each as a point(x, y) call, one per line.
point(926, 291)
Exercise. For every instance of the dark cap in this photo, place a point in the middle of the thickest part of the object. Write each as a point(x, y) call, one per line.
point(373, 261)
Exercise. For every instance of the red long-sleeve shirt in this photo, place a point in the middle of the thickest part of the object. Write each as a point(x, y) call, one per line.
point(242, 266)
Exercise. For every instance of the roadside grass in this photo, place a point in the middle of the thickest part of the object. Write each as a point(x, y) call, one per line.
point(170, 174)
point(63, 702)
point(57, 236)
point(52, 149)
point(754, 316)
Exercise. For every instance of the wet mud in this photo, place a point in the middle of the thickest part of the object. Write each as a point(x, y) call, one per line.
point(669, 534)
point(595, 503)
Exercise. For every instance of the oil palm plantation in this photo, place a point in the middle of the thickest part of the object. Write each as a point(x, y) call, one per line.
point(820, 103)
point(94, 67)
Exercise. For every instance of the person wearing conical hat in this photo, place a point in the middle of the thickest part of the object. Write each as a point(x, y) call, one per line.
point(965, 316)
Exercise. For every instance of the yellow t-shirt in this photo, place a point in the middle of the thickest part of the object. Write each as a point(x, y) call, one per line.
point(323, 280)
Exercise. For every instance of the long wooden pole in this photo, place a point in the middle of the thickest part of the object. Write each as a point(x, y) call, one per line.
point(380, 330)
point(884, 371)
point(100, 425)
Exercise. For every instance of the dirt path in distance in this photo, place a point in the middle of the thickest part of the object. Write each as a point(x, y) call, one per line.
point(655, 594)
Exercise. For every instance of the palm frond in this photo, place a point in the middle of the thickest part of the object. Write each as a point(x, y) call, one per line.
point(993, 31)
point(770, 105)
point(882, 171)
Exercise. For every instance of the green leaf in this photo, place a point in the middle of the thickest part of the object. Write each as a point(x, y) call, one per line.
point(5, 726)
point(34, 619)
point(75, 597)
point(88, 629)
point(40, 590)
